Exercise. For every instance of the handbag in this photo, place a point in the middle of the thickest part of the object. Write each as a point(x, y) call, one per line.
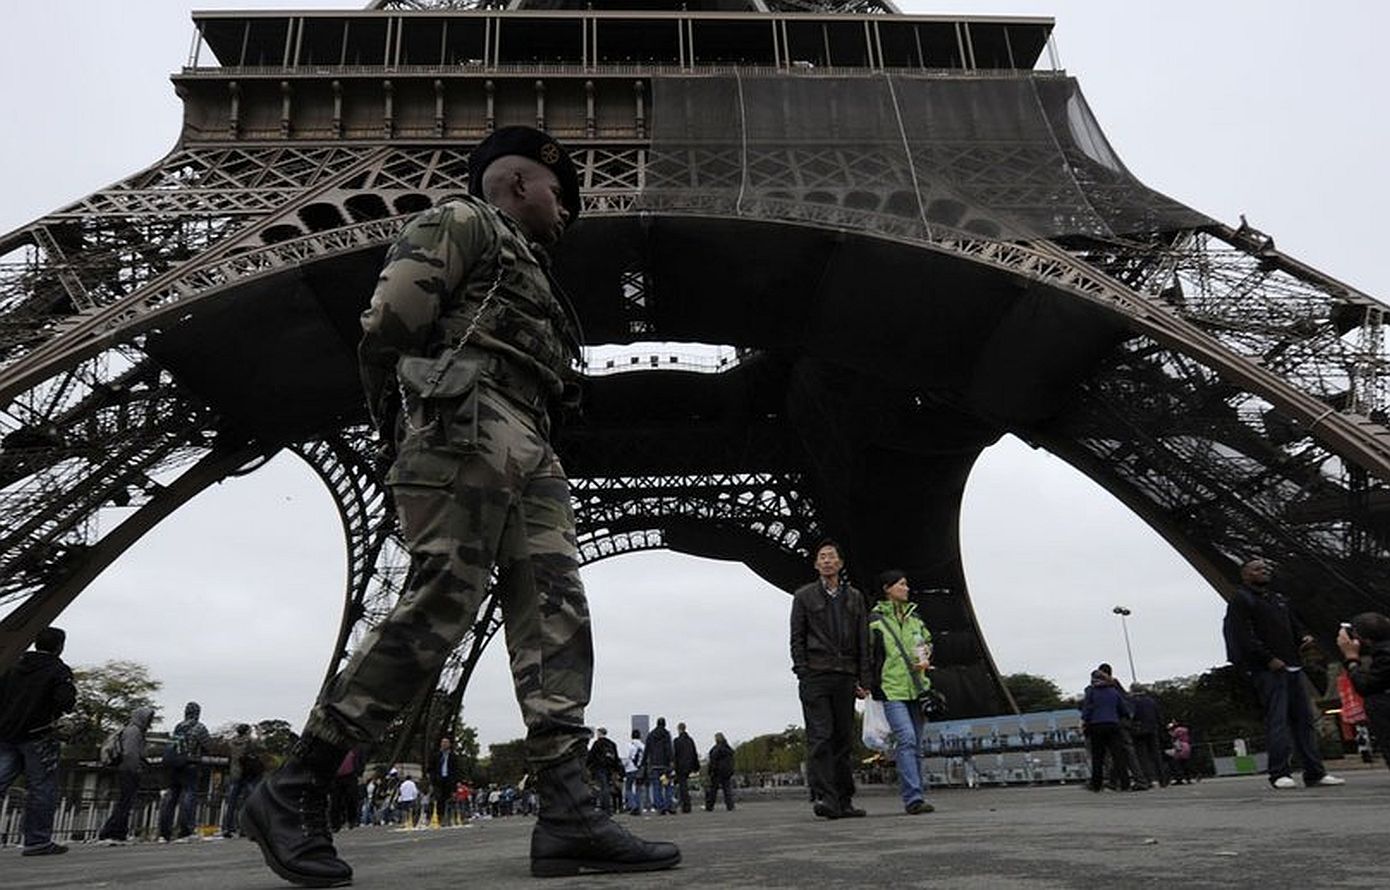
point(932, 703)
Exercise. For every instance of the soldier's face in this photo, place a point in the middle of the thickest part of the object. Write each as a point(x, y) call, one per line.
point(540, 208)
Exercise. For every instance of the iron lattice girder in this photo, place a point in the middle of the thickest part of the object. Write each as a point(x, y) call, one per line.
point(377, 564)
point(1145, 428)
point(625, 514)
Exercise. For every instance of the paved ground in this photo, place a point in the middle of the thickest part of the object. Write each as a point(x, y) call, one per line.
point(1220, 833)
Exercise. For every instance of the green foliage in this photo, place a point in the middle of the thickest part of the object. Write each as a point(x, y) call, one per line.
point(466, 747)
point(1219, 704)
point(106, 696)
point(506, 762)
point(1034, 693)
point(780, 752)
point(277, 737)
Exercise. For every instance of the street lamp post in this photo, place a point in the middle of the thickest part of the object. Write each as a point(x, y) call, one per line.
point(1124, 625)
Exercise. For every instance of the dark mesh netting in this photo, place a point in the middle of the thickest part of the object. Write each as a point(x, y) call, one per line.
point(1008, 158)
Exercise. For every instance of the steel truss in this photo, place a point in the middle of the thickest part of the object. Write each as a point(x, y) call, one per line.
point(1248, 411)
point(614, 516)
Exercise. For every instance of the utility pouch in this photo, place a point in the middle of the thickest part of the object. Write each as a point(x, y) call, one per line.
point(439, 398)
point(448, 376)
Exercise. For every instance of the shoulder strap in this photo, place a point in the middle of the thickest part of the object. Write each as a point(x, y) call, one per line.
point(888, 631)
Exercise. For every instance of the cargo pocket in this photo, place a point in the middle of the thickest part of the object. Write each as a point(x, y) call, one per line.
point(425, 468)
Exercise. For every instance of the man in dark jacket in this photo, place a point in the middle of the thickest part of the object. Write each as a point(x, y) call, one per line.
point(244, 770)
point(721, 772)
point(604, 765)
point(183, 757)
point(657, 758)
point(1147, 729)
point(1265, 634)
point(444, 780)
point(1370, 635)
point(33, 695)
point(687, 764)
point(1102, 709)
point(830, 657)
point(116, 829)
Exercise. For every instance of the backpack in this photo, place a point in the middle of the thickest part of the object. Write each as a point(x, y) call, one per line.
point(179, 749)
point(112, 748)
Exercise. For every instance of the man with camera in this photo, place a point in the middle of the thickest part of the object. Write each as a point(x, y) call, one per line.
point(1263, 637)
point(1369, 634)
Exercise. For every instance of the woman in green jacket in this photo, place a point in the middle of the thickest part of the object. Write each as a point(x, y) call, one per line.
point(900, 646)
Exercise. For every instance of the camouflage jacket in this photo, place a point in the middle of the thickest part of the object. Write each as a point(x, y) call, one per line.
point(436, 278)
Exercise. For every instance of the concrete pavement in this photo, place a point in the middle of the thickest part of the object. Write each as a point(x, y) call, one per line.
point(1235, 832)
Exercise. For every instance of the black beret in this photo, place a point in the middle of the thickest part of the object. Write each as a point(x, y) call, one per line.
point(529, 143)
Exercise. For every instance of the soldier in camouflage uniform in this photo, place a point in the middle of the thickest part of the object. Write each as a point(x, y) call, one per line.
point(466, 346)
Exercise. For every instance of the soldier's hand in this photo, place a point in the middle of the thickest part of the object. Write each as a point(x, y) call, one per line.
point(1276, 664)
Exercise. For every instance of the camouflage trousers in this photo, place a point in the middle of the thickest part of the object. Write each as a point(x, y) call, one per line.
point(477, 486)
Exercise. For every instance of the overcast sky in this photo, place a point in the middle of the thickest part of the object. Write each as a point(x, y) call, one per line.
point(1262, 108)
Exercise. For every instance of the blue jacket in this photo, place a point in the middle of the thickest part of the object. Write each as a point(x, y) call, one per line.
point(1104, 704)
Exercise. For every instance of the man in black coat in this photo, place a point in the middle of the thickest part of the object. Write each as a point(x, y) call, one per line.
point(721, 772)
point(830, 657)
point(1147, 729)
point(687, 763)
point(33, 695)
point(1263, 635)
point(658, 757)
point(604, 765)
point(444, 780)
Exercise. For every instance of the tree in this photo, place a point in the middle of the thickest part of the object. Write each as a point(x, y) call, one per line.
point(106, 696)
point(507, 762)
point(1034, 693)
point(1217, 705)
point(277, 737)
point(780, 752)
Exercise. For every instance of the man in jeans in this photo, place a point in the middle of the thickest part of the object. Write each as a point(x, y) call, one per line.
point(830, 657)
point(1263, 636)
point(33, 695)
point(183, 757)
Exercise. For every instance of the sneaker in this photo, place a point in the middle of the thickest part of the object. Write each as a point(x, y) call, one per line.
point(1327, 780)
point(1285, 782)
point(184, 839)
point(113, 842)
point(48, 849)
point(919, 806)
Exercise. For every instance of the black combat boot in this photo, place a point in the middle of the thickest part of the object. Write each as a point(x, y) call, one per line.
point(287, 817)
point(571, 837)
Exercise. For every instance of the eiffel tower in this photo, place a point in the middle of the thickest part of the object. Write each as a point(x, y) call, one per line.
point(908, 233)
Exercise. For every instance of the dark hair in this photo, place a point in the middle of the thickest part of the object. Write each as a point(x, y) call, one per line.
point(243, 728)
point(661, 721)
point(888, 578)
point(827, 542)
point(636, 733)
point(50, 639)
point(1373, 627)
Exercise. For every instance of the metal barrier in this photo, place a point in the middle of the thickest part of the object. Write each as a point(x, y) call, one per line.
point(77, 820)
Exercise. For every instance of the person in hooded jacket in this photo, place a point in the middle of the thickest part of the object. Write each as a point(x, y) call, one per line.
point(1102, 709)
point(33, 695)
point(116, 829)
point(899, 650)
point(182, 758)
point(721, 772)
